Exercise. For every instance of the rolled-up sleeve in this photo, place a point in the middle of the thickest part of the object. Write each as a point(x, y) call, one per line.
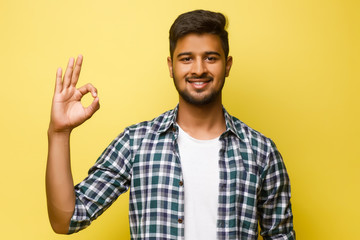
point(274, 207)
point(107, 179)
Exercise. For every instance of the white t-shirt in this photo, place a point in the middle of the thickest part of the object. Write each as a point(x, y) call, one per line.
point(200, 168)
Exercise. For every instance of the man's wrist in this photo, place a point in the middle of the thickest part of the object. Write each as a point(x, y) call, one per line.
point(52, 132)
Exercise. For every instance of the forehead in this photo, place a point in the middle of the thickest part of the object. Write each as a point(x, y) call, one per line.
point(199, 43)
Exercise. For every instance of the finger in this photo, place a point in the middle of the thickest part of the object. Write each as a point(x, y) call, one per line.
point(58, 82)
point(76, 72)
point(88, 88)
point(92, 108)
point(68, 73)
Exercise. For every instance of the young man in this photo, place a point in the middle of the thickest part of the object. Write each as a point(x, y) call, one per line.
point(194, 172)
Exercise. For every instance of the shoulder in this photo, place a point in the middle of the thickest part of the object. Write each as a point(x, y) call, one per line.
point(133, 136)
point(250, 135)
point(154, 126)
point(260, 146)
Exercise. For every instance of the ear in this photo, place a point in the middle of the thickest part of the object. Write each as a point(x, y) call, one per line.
point(169, 62)
point(228, 65)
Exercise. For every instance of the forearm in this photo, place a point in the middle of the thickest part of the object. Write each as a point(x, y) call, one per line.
point(59, 181)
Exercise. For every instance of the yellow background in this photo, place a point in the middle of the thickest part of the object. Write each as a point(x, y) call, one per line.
point(295, 78)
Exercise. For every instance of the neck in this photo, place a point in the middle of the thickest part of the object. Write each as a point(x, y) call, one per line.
point(201, 122)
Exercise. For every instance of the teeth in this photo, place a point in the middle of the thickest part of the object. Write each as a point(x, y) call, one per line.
point(198, 83)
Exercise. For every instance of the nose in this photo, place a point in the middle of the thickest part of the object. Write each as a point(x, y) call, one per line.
point(198, 67)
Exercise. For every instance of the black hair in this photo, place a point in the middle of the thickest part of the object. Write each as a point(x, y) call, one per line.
point(199, 21)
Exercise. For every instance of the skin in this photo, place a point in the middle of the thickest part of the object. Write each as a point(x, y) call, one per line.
point(194, 56)
point(67, 113)
point(200, 58)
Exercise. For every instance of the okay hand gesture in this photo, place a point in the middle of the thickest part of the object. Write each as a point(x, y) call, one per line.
point(67, 111)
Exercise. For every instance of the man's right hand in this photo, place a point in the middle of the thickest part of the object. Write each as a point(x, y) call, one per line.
point(67, 112)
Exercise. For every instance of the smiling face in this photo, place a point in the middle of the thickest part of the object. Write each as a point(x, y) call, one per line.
point(199, 68)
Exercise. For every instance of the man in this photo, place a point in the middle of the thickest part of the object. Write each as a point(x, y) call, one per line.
point(194, 172)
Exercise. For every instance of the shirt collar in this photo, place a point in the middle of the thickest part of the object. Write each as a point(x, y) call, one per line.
point(169, 122)
point(230, 125)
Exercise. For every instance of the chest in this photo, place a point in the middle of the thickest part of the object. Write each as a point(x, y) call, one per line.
point(158, 163)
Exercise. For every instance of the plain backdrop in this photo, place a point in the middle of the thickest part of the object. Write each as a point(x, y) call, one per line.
point(295, 78)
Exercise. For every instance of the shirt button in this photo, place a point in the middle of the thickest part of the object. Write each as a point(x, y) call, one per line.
point(181, 183)
point(180, 220)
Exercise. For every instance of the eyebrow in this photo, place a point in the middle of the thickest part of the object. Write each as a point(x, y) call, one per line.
point(213, 53)
point(190, 53)
point(184, 53)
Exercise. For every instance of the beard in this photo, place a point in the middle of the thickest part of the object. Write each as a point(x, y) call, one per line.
point(198, 99)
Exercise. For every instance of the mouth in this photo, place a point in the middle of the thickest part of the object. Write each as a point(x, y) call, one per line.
point(198, 80)
point(199, 83)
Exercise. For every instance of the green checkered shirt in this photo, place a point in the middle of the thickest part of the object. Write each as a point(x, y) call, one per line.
point(254, 185)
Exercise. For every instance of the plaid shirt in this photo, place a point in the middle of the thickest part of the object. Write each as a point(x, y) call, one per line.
point(254, 185)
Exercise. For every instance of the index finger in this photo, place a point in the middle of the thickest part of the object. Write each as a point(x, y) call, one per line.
point(88, 88)
point(76, 72)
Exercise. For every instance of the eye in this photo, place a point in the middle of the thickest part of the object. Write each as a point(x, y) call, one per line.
point(211, 58)
point(185, 59)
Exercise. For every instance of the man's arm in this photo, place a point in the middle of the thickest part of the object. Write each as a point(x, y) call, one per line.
point(67, 113)
point(276, 218)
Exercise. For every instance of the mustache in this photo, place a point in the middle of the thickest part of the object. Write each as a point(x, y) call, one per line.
point(201, 77)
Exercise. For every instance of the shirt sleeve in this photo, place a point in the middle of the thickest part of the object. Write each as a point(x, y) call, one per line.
point(275, 214)
point(106, 180)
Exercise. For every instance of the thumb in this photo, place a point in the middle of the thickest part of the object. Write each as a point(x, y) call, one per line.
point(92, 108)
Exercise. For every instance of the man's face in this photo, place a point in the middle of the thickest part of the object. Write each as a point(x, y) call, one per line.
point(199, 68)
